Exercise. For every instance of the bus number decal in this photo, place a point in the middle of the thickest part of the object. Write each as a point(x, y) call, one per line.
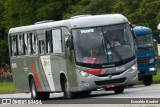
point(87, 31)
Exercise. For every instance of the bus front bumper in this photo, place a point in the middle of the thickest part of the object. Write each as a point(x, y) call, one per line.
point(147, 70)
point(93, 82)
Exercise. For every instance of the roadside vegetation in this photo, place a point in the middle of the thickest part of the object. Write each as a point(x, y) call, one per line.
point(156, 78)
point(7, 87)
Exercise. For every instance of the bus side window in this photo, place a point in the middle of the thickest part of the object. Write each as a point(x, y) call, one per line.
point(49, 43)
point(29, 44)
point(41, 47)
point(25, 44)
point(14, 45)
point(57, 41)
point(20, 44)
point(34, 44)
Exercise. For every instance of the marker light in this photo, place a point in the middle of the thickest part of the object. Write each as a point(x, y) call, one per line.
point(151, 60)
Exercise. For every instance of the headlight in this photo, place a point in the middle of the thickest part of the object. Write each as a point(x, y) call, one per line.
point(151, 60)
point(82, 73)
point(133, 67)
point(152, 69)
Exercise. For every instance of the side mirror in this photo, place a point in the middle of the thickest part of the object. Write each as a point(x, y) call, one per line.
point(69, 44)
point(69, 41)
point(132, 25)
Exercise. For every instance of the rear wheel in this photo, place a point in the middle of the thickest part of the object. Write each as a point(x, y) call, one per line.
point(147, 80)
point(35, 94)
point(119, 90)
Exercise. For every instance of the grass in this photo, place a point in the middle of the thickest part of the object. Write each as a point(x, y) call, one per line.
point(7, 87)
point(157, 77)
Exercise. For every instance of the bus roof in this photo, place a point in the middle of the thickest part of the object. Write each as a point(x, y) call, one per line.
point(79, 22)
point(97, 20)
point(158, 27)
point(141, 30)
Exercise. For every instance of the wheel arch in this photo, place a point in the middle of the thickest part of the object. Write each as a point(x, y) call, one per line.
point(62, 77)
point(30, 76)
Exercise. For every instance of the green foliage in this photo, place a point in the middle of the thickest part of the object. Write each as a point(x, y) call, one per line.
point(24, 12)
point(4, 57)
point(92, 7)
point(140, 12)
point(7, 87)
point(157, 77)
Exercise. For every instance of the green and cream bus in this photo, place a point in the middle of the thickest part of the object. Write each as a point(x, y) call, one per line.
point(76, 55)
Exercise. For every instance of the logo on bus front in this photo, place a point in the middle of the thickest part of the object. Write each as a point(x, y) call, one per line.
point(120, 68)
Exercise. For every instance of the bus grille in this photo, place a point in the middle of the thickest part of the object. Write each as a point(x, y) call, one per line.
point(113, 74)
point(116, 81)
point(143, 60)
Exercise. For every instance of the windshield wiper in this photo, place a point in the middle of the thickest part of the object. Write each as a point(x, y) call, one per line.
point(114, 49)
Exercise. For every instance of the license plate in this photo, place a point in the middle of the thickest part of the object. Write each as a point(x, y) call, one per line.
point(110, 85)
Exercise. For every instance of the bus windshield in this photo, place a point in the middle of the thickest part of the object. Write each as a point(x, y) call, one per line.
point(103, 45)
point(144, 41)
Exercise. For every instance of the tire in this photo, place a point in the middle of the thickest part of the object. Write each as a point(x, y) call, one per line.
point(119, 90)
point(86, 92)
point(147, 80)
point(35, 94)
point(45, 95)
point(67, 93)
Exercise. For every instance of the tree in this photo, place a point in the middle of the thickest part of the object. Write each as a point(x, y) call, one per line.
point(140, 12)
point(24, 12)
point(92, 7)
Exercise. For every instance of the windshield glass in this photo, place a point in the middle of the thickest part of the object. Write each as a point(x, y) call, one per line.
point(144, 41)
point(99, 45)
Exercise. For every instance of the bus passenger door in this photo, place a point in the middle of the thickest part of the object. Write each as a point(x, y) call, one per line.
point(46, 75)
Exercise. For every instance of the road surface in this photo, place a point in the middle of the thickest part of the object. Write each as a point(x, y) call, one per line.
point(100, 96)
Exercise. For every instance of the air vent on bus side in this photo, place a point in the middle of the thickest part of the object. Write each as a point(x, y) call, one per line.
point(78, 16)
point(45, 21)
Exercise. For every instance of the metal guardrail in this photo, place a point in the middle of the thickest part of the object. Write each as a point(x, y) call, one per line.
point(6, 78)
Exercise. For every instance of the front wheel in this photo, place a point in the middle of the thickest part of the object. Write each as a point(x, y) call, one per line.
point(147, 80)
point(86, 92)
point(119, 90)
point(67, 93)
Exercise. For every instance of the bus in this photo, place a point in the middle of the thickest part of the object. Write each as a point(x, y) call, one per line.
point(73, 56)
point(146, 55)
point(158, 39)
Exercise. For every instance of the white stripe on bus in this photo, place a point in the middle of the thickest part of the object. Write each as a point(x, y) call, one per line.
point(46, 64)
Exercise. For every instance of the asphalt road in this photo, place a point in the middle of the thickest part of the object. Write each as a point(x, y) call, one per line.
point(100, 96)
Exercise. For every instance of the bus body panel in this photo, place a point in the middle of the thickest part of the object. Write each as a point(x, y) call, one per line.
point(29, 66)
